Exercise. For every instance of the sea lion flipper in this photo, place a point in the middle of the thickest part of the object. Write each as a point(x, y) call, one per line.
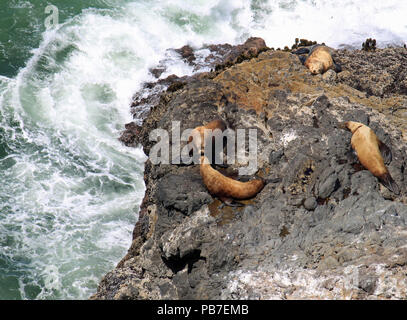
point(351, 156)
point(302, 59)
point(230, 202)
point(337, 67)
point(385, 151)
point(389, 183)
point(301, 51)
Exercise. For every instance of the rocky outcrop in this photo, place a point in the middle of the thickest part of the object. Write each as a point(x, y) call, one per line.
point(323, 227)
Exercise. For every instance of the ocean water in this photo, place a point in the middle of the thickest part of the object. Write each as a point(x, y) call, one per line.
point(70, 191)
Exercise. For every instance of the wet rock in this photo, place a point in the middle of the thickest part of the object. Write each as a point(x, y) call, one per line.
point(157, 72)
point(251, 48)
point(129, 136)
point(187, 53)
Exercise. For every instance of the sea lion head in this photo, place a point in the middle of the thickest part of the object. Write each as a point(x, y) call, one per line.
point(352, 126)
point(316, 67)
point(198, 136)
point(198, 142)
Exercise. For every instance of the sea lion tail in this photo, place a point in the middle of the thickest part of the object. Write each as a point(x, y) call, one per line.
point(389, 183)
point(385, 151)
point(337, 66)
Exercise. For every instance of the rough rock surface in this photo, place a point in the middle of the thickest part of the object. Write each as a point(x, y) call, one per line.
point(323, 227)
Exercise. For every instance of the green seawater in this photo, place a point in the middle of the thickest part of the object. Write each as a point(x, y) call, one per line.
point(23, 22)
point(69, 190)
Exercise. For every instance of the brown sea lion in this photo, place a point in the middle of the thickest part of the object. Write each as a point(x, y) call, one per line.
point(227, 189)
point(370, 151)
point(198, 134)
point(319, 59)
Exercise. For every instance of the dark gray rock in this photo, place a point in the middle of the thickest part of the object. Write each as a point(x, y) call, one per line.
point(310, 203)
point(275, 156)
point(185, 193)
point(329, 182)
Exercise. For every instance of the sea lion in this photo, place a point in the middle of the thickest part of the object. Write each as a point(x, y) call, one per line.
point(198, 134)
point(372, 153)
point(319, 59)
point(227, 189)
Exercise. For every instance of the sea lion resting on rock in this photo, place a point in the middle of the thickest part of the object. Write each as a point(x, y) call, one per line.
point(369, 150)
point(227, 189)
point(223, 187)
point(319, 59)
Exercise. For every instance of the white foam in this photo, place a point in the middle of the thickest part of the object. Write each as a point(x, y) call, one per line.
point(336, 23)
point(73, 185)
